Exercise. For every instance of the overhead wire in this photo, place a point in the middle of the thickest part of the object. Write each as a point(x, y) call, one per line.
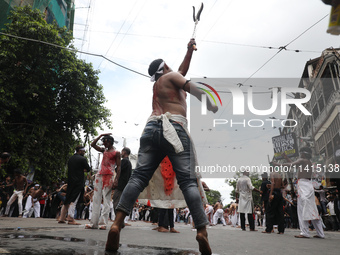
point(118, 32)
point(86, 26)
point(280, 49)
point(75, 51)
point(285, 47)
point(208, 41)
point(128, 29)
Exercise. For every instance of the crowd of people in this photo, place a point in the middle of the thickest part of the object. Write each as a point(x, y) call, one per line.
point(20, 197)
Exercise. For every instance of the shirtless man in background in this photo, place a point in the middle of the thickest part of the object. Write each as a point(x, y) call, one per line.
point(20, 187)
point(166, 134)
point(274, 210)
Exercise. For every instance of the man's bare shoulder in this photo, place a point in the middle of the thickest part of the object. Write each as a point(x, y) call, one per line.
point(175, 78)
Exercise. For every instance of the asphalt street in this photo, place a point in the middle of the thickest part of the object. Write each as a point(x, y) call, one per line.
point(46, 236)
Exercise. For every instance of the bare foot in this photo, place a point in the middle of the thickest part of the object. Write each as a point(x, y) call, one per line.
point(127, 224)
point(61, 221)
point(73, 223)
point(103, 227)
point(203, 244)
point(88, 226)
point(156, 228)
point(173, 230)
point(162, 229)
point(112, 243)
point(301, 236)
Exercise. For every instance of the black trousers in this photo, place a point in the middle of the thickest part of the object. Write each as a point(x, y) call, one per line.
point(275, 214)
point(250, 220)
point(166, 218)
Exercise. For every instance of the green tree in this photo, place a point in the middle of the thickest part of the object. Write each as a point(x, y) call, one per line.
point(255, 181)
point(48, 97)
point(213, 196)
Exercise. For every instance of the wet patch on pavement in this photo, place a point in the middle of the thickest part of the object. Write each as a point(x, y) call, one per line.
point(83, 247)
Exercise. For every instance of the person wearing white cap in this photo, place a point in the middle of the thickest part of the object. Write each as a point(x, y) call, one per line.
point(32, 202)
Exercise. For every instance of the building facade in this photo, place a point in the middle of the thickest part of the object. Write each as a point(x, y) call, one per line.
point(321, 130)
point(61, 11)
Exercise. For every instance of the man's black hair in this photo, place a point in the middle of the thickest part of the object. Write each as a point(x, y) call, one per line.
point(127, 150)
point(79, 147)
point(153, 68)
point(108, 138)
point(17, 171)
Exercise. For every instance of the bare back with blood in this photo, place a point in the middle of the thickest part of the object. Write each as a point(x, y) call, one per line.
point(167, 97)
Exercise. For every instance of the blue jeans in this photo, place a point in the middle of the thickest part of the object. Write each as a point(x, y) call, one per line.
point(153, 148)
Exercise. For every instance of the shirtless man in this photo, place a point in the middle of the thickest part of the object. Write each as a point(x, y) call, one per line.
point(33, 201)
point(218, 214)
point(306, 206)
point(20, 187)
point(166, 134)
point(274, 210)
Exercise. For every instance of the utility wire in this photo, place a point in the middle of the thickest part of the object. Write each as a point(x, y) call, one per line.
point(205, 41)
point(285, 47)
point(128, 29)
point(118, 32)
point(74, 50)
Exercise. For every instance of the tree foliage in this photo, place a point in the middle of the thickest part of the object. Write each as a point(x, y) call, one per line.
point(213, 196)
point(255, 181)
point(48, 97)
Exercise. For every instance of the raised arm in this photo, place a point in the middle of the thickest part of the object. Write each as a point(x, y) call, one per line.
point(184, 67)
point(94, 143)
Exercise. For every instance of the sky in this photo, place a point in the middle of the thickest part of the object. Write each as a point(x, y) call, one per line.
point(237, 41)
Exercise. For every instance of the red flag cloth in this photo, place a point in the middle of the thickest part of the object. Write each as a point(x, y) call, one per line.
point(168, 175)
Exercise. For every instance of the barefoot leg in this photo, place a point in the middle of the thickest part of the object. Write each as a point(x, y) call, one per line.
point(202, 239)
point(112, 243)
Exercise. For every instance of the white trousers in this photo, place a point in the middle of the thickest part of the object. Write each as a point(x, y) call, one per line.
point(100, 193)
point(113, 215)
point(72, 208)
point(16, 194)
point(304, 227)
point(219, 215)
point(30, 208)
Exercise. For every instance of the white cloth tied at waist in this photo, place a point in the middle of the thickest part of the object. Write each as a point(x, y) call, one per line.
point(169, 132)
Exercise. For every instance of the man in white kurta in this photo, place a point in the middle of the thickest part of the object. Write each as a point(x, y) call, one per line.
point(306, 207)
point(244, 190)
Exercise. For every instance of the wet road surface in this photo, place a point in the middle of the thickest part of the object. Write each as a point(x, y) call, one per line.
point(46, 236)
